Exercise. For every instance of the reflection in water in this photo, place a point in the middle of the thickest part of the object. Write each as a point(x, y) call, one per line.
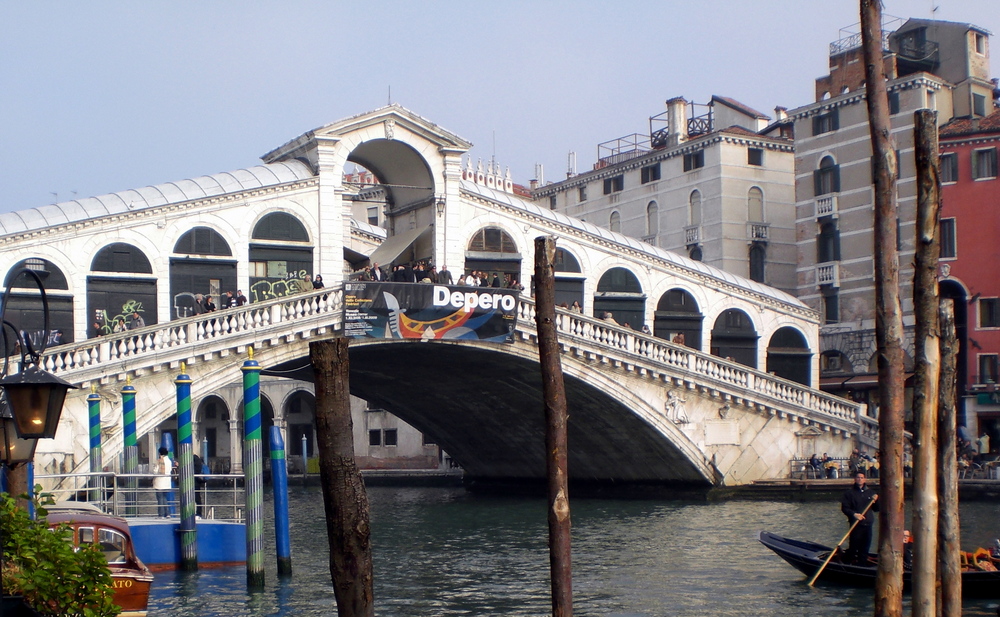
point(443, 552)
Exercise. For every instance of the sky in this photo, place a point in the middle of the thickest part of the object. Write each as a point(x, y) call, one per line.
point(98, 97)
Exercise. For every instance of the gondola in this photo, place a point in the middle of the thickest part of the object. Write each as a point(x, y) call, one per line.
point(807, 557)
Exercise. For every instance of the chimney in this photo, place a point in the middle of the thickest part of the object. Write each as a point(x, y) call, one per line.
point(677, 126)
point(780, 113)
point(533, 184)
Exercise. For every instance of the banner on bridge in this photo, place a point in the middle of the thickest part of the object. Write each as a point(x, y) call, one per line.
point(423, 311)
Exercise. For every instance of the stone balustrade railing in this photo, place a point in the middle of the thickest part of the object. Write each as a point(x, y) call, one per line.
point(230, 328)
point(699, 367)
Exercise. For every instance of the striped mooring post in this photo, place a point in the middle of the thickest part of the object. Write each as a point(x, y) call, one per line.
point(96, 462)
point(131, 447)
point(253, 471)
point(279, 484)
point(188, 528)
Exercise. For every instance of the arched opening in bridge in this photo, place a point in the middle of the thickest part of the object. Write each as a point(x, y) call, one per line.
point(300, 418)
point(396, 190)
point(954, 290)
point(199, 267)
point(569, 279)
point(734, 338)
point(212, 422)
point(677, 314)
point(493, 251)
point(24, 310)
point(281, 257)
point(619, 293)
point(121, 283)
point(266, 422)
point(788, 356)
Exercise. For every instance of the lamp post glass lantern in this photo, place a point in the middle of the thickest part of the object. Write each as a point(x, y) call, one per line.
point(14, 450)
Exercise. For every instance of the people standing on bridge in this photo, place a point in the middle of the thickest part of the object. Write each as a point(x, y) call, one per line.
point(495, 281)
point(575, 307)
point(444, 276)
point(209, 305)
point(199, 304)
point(318, 281)
point(229, 301)
point(852, 504)
point(609, 317)
point(678, 339)
point(240, 298)
point(137, 322)
point(162, 483)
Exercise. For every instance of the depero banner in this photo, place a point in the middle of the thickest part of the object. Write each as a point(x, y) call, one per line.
point(423, 311)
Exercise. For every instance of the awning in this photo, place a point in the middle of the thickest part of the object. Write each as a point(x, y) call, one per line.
point(393, 247)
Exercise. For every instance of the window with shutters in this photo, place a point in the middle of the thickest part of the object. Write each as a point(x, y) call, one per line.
point(650, 173)
point(827, 177)
point(949, 167)
point(614, 185)
point(825, 123)
point(949, 245)
point(984, 163)
point(694, 160)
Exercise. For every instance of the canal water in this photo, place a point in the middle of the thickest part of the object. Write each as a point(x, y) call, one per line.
point(444, 552)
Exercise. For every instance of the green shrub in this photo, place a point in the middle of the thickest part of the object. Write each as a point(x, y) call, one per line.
point(43, 566)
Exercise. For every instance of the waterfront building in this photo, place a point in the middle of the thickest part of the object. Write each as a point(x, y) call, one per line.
point(713, 182)
point(936, 65)
point(970, 226)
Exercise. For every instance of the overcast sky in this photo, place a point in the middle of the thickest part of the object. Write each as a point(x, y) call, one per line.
point(98, 97)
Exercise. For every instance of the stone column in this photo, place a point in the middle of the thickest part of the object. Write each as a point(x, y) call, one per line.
point(329, 260)
point(235, 446)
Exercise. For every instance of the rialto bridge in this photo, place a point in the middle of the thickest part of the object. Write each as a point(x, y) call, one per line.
point(732, 404)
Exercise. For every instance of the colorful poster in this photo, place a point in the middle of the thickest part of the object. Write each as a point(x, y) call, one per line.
point(423, 311)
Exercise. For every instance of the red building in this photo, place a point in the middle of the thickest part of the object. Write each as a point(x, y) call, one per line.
point(970, 262)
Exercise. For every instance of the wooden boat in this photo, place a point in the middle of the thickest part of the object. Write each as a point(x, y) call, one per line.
point(807, 557)
point(131, 577)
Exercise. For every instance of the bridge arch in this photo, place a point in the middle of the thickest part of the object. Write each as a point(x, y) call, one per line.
point(279, 250)
point(678, 314)
point(298, 410)
point(493, 249)
point(734, 336)
point(569, 279)
point(121, 282)
point(789, 356)
point(620, 293)
point(202, 262)
point(23, 309)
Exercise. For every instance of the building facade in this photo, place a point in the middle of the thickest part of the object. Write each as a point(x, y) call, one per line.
point(970, 225)
point(713, 182)
point(935, 65)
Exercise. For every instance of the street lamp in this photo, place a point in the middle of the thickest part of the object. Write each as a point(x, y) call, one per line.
point(14, 450)
point(33, 398)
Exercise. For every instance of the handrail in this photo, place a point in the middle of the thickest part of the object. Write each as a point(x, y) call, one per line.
point(705, 368)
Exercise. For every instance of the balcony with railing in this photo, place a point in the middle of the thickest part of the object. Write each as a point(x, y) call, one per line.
point(828, 274)
point(826, 205)
point(758, 232)
point(692, 234)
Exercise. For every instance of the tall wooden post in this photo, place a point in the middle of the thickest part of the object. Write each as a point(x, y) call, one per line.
point(554, 393)
point(344, 496)
point(927, 369)
point(949, 568)
point(888, 322)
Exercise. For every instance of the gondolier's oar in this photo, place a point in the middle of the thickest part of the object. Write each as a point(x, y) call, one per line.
point(842, 540)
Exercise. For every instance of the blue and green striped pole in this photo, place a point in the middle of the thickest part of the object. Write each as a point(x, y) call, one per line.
point(96, 464)
point(131, 447)
point(279, 485)
point(188, 529)
point(253, 472)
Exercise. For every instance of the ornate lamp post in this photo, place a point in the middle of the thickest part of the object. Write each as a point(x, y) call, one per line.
point(32, 399)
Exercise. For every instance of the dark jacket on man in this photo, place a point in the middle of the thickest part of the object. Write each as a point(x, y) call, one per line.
point(855, 500)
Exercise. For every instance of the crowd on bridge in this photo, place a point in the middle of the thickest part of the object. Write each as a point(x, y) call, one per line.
point(424, 272)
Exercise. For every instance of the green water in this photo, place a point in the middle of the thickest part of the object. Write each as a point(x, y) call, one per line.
point(444, 552)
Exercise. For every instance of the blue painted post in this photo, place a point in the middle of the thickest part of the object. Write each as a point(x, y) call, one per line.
point(167, 441)
point(305, 458)
point(31, 488)
point(131, 447)
point(188, 529)
point(96, 463)
point(253, 472)
point(279, 482)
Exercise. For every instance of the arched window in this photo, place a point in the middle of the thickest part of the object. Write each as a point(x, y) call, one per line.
point(615, 222)
point(755, 205)
point(827, 177)
point(678, 318)
point(121, 257)
point(734, 338)
point(788, 356)
point(492, 240)
point(205, 268)
point(202, 241)
point(120, 290)
point(695, 253)
point(24, 305)
point(280, 226)
point(620, 293)
point(652, 219)
point(694, 209)
point(566, 262)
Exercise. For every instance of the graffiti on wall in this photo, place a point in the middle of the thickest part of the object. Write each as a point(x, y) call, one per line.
point(293, 283)
point(107, 324)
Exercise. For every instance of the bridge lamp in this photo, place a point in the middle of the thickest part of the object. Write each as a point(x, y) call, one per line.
point(33, 398)
point(13, 449)
point(440, 203)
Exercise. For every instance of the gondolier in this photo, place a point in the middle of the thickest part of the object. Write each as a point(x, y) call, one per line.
point(854, 504)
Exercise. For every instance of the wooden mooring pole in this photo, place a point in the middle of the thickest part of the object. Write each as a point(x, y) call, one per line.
point(554, 393)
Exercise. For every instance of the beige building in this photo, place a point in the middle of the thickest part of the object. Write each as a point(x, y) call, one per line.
point(935, 65)
point(713, 182)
